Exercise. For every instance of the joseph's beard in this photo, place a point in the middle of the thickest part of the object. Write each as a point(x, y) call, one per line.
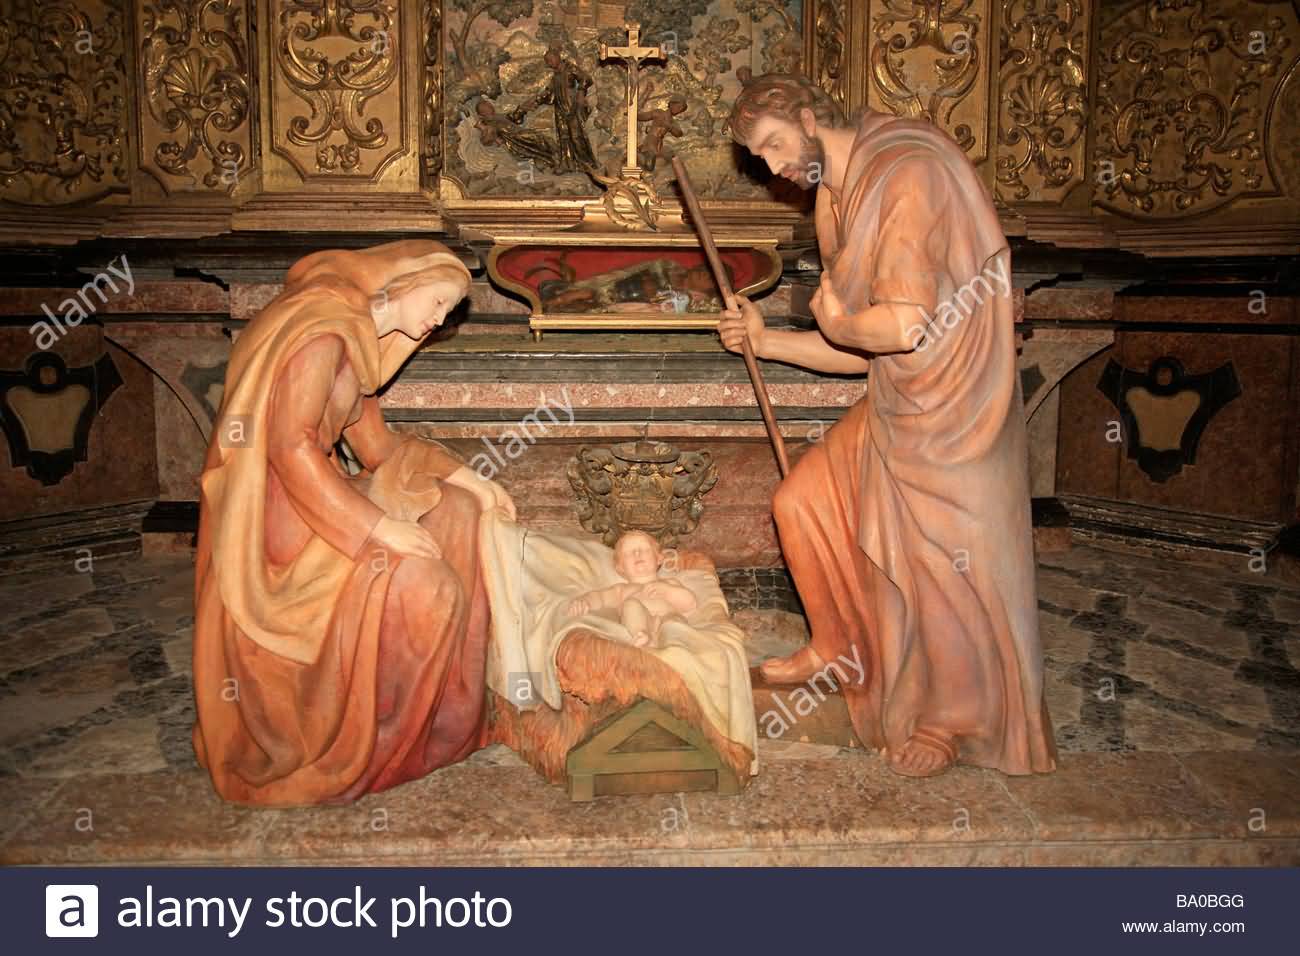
point(812, 155)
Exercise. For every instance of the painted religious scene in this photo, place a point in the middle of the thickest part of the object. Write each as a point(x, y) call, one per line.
point(652, 433)
point(532, 108)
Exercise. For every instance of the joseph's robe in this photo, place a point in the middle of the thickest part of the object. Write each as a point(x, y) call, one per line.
point(326, 667)
point(907, 529)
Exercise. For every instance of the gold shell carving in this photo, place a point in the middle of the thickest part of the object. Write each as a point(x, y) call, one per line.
point(195, 74)
point(1044, 111)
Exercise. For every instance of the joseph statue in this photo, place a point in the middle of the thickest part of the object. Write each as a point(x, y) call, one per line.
point(907, 528)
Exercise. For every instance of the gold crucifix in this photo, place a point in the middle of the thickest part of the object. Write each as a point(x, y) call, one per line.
point(633, 53)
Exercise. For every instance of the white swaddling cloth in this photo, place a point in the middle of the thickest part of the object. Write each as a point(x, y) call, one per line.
point(531, 578)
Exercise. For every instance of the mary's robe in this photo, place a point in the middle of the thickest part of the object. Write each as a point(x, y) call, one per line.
point(326, 667)
point(907, 530)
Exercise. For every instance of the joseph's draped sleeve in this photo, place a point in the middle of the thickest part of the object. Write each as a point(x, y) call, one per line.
point(912, 237)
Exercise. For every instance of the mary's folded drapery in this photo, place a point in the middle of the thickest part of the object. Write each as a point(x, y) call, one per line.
point(341, 621)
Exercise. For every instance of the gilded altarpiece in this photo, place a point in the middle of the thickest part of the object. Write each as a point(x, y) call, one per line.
point(1093, 122)
point(343, 80)
point(1042, 121)
point(347, 92)
point(922, 59)
point(933, 60)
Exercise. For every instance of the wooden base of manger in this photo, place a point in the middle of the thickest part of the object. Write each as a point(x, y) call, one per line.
point(645, 749)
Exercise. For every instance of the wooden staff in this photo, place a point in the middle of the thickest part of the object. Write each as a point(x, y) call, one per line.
point(728, 296)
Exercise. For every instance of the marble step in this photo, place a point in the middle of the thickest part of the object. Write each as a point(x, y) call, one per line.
point(805, 808)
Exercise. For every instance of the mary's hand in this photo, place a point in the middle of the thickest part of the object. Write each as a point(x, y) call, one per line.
point(406, 538)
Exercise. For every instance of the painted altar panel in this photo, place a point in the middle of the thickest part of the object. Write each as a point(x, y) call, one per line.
point(501, 135)
point(635, 280)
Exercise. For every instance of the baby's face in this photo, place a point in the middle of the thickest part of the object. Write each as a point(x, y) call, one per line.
point(636, 557)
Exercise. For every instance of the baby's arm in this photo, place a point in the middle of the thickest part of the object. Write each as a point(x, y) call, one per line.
point(597, 600)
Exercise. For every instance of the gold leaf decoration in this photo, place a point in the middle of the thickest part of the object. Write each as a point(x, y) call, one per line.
point(831, 50)
point(195, 78)
point(62, 102)
point(1182, 94)
point(1044, 98)
point(431, 93)
point(926, 64)
point(336, 87)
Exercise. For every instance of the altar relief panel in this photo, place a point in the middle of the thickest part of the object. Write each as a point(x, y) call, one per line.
point(1116, 123)
point(931, 60)
point(195, 81)
point(63, 99)
point(337, 74)
point(1043, 103)
point(1196, 105)
point(921, 59)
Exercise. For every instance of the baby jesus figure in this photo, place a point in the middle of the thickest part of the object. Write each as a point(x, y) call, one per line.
point(644, 599)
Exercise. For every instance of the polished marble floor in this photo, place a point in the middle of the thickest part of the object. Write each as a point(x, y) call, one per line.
point(1174, 690)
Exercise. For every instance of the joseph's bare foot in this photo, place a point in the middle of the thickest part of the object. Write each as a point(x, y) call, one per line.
point(640, 639)
point(924, 754)
point(795, 669)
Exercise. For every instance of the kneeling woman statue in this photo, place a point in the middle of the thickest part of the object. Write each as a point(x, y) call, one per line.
point(341, 622)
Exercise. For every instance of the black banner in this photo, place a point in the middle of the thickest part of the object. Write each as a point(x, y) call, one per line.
point(678, 911)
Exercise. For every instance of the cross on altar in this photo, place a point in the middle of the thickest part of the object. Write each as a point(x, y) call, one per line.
point(633, 53)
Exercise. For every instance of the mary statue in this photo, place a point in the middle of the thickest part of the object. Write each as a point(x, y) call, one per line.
point(341, 622)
